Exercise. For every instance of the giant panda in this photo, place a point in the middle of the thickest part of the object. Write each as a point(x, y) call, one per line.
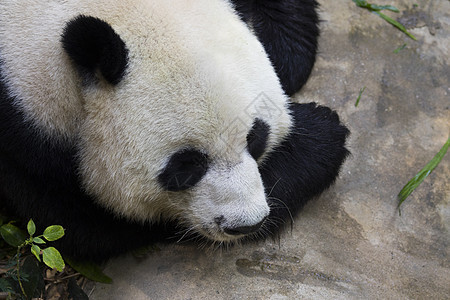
point(136, 121)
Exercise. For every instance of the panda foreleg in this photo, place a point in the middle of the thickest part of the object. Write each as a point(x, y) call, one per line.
point(305, 164)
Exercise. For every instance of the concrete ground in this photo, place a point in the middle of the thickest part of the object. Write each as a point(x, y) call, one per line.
point(350, 243)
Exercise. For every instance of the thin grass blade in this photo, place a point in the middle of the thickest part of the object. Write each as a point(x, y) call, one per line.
point(375, 7)
point(361, 91)
point(395, 23)
point(419, 178)
point(400, 48)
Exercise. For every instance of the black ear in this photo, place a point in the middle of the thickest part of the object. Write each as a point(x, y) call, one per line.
point(93, 44)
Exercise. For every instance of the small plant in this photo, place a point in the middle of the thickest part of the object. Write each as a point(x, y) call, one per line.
point(51, 257)
point(24, 275)
point(22, 278)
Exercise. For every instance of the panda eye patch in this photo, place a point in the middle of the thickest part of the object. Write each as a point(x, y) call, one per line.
point(257, 138)
point(184, 169)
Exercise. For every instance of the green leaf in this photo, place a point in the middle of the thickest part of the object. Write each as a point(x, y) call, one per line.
point(54, 232)
point(13, 235)
point(53, 259)
point(419, 178)
point(31, 227)
point(36, 251)
point(376, 10)
point(361, 3)
point(395, 23)
point(375, 7)
point(89, 270)
point(38, 240)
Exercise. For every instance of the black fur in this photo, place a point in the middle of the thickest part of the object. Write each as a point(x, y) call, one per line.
point(257, 138)
point(289, 30)
point(184, 169)
point(306, 163)
point(92, 44)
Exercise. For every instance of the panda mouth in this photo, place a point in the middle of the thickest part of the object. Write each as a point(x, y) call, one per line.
point(240, 231)
point(218, 235)
point(209, 234)
point(231, 234)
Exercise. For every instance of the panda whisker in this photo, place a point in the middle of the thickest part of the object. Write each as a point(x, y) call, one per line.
point(275, 205)
point(264, 230)
point(229, 244)
point(285, 206)
point(275, 220)
point(202, 242)
point(194, 237)
point(219, 245)
point(271, 190)
point(189, 231)
point(206, 244)
point(255, 236)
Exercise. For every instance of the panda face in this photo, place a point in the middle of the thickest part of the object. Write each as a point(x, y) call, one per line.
point(182, 133)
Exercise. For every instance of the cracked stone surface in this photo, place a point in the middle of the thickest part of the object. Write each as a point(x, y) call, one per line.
point(351, 242)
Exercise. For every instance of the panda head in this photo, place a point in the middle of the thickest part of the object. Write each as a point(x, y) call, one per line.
point(176, 120)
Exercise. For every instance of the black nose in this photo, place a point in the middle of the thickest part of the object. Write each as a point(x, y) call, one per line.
point(243, 229)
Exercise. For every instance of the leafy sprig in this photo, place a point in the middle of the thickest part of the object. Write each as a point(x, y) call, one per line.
point(23, 277)
point(15, 237)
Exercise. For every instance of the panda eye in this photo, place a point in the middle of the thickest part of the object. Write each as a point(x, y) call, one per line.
point(257, 138)
point(185, 169)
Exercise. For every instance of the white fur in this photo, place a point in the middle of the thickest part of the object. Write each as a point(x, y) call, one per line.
point(197, 77)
